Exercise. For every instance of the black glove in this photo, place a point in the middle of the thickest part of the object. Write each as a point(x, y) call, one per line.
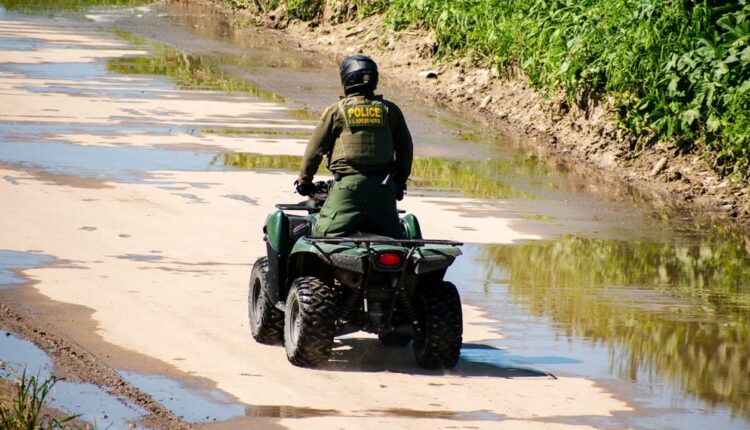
point(400, 189)
point(304, 188)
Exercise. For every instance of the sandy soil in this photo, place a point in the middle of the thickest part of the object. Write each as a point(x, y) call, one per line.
point(161, 264)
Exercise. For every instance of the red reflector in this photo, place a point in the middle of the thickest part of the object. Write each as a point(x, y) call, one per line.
point(389, 259)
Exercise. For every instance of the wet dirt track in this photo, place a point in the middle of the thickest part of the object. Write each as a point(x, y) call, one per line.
point(153, 194)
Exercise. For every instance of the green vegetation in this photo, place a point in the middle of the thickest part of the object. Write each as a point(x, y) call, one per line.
point(32, 6)
point(304, 9)
point(682, 309)
point(307, 10)
point(26, 411)
point(477, 179)
point(677, 69)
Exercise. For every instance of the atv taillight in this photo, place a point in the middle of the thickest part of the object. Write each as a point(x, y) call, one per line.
point(389, 259)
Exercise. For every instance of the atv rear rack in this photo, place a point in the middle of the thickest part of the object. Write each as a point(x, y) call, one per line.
point(383, 241)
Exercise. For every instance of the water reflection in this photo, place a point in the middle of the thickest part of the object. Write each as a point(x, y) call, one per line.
point(189, 72)
point(191, 405)
point(671, 314)
point(471, 178)
point(34, 6)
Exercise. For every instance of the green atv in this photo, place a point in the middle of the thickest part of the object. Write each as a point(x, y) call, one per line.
point(308, 290)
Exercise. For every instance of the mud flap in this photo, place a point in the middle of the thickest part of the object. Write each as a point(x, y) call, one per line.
point(276, 274)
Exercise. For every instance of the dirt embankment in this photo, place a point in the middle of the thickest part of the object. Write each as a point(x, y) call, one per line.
point(74, 363)
point(587, 139)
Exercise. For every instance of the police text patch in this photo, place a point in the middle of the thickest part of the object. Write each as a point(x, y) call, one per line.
point(364, 115)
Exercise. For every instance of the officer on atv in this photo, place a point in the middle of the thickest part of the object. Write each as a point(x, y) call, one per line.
point(369, 151)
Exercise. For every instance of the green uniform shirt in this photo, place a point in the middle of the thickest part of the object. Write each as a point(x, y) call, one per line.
point(330, 127)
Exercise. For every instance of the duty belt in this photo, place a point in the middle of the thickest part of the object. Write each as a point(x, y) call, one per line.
point(385, 172)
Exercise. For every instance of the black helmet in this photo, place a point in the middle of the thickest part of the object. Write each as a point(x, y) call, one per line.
point(359, 73)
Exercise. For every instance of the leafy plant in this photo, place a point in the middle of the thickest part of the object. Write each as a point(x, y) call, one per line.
point(26, 410)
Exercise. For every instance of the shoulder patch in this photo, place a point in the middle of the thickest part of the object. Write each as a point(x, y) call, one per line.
point(325, 113)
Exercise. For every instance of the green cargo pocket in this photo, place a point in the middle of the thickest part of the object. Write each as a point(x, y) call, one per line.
point(348, 186)
point(325, 219)
point(327, 212)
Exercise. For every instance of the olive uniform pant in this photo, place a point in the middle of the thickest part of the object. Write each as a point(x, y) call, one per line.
point(359, 202)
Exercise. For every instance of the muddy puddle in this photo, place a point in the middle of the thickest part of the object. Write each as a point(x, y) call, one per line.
point(229, 54)
point(190, 405)
point(119, 164)
point(93, 404)
point(12, 262)
point(665, 322)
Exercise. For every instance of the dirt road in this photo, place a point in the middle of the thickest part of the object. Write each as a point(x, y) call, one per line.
point(154, 242)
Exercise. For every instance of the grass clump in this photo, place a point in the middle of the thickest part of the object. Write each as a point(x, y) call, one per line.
point(305, 10)
point(26, 410)
point(310, 10)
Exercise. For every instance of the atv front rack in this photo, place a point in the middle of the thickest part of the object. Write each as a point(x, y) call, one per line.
point(309, 207)
point(383, 241)
point(298, 207)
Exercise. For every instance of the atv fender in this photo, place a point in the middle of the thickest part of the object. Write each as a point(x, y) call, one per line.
point(309, 258)
point(410, 224)
point(276, 231)
point(430, 259)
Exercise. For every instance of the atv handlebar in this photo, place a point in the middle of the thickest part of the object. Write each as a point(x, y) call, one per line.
point(315, 201)
point(309, 206)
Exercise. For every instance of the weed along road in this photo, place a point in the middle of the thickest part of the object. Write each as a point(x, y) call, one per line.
point(137, 175)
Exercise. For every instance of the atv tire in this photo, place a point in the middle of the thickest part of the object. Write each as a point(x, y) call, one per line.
point(393, 339)
point(438, 344)
point(309, 322)
point(266, 322)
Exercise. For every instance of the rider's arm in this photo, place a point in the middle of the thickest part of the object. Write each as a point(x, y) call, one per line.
point(402, 143)
point(320, 143)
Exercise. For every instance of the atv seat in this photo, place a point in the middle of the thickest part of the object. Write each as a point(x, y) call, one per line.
point(364, 235)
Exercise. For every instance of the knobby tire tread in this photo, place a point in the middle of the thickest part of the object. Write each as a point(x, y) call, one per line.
point(439, 345)
point(269, 329)
point(318, 312)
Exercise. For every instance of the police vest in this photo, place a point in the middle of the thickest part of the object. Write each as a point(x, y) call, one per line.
point(366, 138)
